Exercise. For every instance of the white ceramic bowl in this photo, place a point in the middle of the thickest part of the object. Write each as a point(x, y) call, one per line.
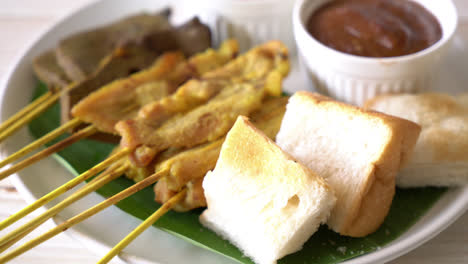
point(354, 79)
point(251, 22)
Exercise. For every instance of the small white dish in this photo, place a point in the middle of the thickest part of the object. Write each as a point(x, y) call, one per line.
point(251, 22)
point(354, 79)
point(98, 234)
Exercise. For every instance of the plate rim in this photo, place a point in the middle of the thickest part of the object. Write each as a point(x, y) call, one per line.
point(388, 252)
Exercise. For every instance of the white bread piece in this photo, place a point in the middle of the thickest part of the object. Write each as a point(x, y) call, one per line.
point(441, 154)
point(357, 152)
point(260, 199)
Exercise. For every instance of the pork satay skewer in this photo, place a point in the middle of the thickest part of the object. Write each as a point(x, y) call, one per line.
point(94, 110)
point(202, 124)
point(236, 89)
point(257, 62)
point(158, 81)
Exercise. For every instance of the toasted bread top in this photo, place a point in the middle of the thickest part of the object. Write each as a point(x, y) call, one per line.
point(262, 158)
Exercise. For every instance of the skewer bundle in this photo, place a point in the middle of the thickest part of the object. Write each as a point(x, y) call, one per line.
point(120, 99)
point(168, 71)
point(161, 135)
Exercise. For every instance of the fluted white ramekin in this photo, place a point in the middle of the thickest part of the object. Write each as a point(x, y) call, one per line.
point(251, 22)
point(354, 79)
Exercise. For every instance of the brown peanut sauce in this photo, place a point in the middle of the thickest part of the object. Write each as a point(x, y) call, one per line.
point(374, 28)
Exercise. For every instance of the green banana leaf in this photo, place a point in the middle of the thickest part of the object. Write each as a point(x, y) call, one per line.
point(324, 247)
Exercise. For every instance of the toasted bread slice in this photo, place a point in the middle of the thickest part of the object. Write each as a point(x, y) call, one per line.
point(358, 153)
point(441, 153)
point(260, 199)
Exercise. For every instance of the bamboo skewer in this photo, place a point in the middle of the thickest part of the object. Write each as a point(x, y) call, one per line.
point(104, 178)
point(14, 118)
point(143, 226)
point(33, 113)
point(86, 132)
point(43, 140)
point(28, 117)
point(82, 216)
point(65, 187)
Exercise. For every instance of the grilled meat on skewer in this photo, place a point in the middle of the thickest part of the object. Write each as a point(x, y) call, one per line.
point(122, 98)
point(200, 125)
point(255, 65)
point(238, 89)
point(188, 168)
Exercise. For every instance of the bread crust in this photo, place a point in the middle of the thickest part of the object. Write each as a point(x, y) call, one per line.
point(372, 202)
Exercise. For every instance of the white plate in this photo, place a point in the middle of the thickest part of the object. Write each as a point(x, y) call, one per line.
point(106, 229)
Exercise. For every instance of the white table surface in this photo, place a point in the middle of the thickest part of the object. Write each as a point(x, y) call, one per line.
point(22, 21)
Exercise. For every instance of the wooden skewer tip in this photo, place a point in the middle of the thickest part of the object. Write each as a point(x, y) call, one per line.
point(143, 226)
point(81, 217)
point(14, 236)
point(63, 188)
